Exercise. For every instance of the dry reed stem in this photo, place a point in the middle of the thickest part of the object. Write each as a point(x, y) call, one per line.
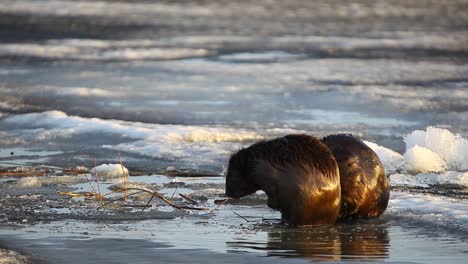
point(23, 173)
point(89, 182)
point(109, 193)
point(73, 171)
point(160, 196)
point(97, 182)
point(188, 199)
point(124, 175)
point(86, 194)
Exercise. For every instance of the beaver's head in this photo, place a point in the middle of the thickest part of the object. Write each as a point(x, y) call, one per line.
point(239, 181)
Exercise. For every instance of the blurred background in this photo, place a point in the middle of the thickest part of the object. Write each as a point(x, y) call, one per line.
point(209, 77)
point(175, 87)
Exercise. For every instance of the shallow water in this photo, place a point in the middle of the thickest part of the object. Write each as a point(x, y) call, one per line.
point(175, 87)
point(417, 228)
point(387, 239)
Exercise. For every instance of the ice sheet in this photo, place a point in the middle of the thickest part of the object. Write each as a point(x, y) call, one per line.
point(452, 213)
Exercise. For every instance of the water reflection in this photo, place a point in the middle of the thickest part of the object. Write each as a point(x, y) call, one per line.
point(354, 241)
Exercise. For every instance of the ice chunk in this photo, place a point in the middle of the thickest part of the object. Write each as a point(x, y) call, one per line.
point(421, 159)
point(28, 182)
point(109, 171)
point(171, 168)
point(390, 159)
point(431, 153)
point(452, 148)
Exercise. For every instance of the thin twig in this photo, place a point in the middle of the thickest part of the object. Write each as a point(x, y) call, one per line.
point(194, 208)
point(160, 196)
point(220, 204)
point(149, 201)
point(120, 198)
point(109, 193)
point(175, 191)
point(188, 199)
point(242, 217)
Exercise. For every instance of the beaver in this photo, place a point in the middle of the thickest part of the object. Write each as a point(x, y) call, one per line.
point(298, 173)
point(365, 189)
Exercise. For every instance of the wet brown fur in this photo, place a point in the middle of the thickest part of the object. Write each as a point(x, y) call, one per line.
point(364, 186)
point(297, 172)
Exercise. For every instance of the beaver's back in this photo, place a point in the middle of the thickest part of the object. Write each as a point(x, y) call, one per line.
point(364, 185)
